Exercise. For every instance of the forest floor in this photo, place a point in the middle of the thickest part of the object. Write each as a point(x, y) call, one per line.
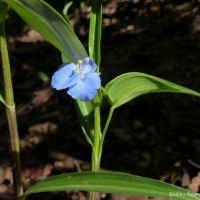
point(156, 136)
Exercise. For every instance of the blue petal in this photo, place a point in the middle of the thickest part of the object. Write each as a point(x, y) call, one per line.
point(61, 78)
point(88, 66)
point(82, 90)
point(92, 80)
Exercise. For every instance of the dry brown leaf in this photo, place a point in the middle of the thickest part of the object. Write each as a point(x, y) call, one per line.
point(185, 180)
point(194, 187)
point(47, 170)
point(3, 188)
point(69, 164)
point(195, 183)
point(37, 134)
point(33, 172)
point(30, 36)
point(42, 96)
point(43, 128)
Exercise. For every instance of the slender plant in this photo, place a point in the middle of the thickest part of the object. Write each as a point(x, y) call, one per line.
point(80, 76)
point(9, 103)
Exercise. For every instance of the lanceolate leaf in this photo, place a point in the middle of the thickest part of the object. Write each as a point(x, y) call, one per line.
point(95, 32)
point(51, 25)
point(112, 183)
point(128, 86)
point(65, 12)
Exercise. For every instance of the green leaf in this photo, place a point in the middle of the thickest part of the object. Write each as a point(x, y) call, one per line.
point(51, 25)
point(1, 97)
point(95, 32)
point(65, 12)
point(128, 86)
point(66, 8)
point(85, 113)
point(112, 183)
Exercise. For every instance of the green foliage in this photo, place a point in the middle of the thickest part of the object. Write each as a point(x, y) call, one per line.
point(126, 87)
point(111, 183)
point(95, 32)
point(51, 25)
point(65, 12)
point(85, 113)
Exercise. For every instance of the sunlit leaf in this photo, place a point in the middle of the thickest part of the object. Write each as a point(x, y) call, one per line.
point(51, 25)
point(128, 86)
point(94, 41)
point(114, 183)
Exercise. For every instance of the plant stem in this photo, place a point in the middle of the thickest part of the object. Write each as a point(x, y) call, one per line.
point(10, 105)
point(104, 132)
point(95, 151)
point(95, 54)
point(98, 141)
point(97, 134)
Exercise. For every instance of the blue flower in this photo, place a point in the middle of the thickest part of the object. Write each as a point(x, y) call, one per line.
point(81, 79)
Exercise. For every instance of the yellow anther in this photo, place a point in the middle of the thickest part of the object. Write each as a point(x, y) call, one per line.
point(79, 62)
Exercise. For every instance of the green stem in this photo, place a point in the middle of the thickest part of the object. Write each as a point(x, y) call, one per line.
point(95, 148)
point(95, 54)
point(10, 105)
point(104, 131)
point(96, 142)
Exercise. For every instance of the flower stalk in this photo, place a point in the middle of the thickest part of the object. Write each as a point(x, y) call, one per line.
point(10, 105)
point(95, 54)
